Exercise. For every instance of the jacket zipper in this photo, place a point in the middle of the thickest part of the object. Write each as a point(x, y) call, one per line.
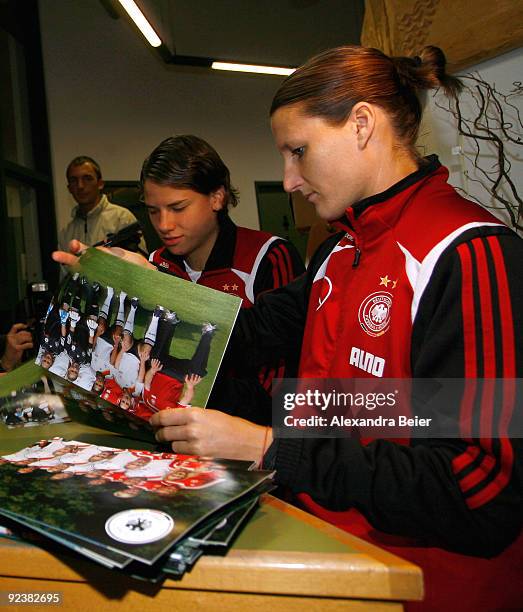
point(357, 255)
point(353, 234)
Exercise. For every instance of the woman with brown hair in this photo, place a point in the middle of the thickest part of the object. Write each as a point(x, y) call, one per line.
point(420, 282)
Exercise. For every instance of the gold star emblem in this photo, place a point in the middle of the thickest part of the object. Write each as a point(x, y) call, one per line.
point(226, 287)
point(394, 283)
point(385, 280)
point(235, 287)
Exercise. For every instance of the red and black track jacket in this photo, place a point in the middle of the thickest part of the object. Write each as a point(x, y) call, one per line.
point(430, 284)
point(245, 263)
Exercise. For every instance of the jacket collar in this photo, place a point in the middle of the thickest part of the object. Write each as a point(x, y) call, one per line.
point(222, 253)
point(428, 166)
point(383, 208)
point(94, 212)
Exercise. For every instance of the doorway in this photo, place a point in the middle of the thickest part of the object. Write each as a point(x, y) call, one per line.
point(275, 214)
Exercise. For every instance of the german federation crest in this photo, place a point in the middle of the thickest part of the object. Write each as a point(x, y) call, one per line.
point(139, 526)
point(374, 313)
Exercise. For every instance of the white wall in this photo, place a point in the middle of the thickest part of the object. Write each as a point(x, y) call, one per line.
point(439, 132)
point(112, 99)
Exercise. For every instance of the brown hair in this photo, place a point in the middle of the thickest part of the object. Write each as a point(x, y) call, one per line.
point(189, 162)
point(331, 83)
point(84, 159)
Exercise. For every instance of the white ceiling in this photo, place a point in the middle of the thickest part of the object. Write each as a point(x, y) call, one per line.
point(283, 32)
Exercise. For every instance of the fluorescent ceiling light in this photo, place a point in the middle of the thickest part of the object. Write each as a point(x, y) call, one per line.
point(141, 22)
point(252, 68)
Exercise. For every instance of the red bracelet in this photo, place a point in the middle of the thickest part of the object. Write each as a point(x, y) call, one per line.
point(264, 446)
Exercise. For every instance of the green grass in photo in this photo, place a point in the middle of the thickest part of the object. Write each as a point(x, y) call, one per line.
point(194, 305)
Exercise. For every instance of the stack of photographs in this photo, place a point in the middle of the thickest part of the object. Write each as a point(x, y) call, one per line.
point(146, 514)
point(119, 343)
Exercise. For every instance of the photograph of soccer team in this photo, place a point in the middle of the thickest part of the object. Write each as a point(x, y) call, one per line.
point(104, 341)
point(33, 405)
point(134, 471)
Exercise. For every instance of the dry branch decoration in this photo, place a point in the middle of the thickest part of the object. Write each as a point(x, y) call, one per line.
point(493, 119)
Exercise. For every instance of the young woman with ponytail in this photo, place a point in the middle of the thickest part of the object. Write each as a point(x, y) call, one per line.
point(446, 276)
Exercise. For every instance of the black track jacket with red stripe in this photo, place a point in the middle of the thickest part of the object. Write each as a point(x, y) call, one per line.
point(430, 284)
point(245, 263)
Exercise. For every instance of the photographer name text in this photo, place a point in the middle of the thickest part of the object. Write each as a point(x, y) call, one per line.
point(343, 421)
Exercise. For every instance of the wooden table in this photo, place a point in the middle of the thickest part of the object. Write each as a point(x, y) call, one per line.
point(283, 560)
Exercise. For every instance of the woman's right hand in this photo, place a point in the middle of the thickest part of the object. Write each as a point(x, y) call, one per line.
point(69, 258)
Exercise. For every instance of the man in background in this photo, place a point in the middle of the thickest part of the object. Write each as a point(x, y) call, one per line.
point(94, 217)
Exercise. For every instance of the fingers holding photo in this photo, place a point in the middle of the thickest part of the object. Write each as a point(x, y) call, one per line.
point(211, 433)
point(77, 248)
point(70, 257)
